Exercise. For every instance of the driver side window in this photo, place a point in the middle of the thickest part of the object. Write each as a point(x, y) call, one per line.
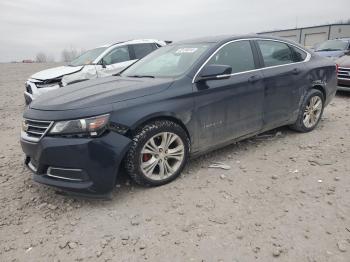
point(118, 55)
point(238, 55)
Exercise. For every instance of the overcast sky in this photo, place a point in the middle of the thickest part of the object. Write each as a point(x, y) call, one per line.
point(30, 26)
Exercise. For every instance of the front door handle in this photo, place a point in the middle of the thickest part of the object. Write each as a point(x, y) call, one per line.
point(253, 79)
point(295, 71)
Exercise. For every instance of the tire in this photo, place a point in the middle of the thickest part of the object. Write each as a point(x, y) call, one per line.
point(143, 152)
point(300, 125)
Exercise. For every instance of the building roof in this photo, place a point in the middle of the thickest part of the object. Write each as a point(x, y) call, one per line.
point(226, 38)
point(298, 28)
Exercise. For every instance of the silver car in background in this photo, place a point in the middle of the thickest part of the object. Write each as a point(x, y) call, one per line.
point(98, 62)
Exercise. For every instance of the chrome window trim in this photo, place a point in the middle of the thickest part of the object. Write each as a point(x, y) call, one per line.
point(307, 59)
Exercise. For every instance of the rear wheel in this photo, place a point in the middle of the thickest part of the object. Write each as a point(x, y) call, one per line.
point(310, 112)
point(158, 153)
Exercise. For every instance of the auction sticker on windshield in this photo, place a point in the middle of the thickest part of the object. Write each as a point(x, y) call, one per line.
point(186, 50)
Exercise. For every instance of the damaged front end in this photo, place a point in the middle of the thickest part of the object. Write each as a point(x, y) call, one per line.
point(36, 87)
point(47, 80)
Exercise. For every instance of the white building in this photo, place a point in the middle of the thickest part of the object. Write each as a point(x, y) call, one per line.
point(311, 36)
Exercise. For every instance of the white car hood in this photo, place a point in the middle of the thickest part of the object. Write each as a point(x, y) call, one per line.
point(56, 72)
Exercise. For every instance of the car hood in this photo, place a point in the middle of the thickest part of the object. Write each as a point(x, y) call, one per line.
point(344, 61)
point(56, 72)
point(99, 92)
point(331, 54)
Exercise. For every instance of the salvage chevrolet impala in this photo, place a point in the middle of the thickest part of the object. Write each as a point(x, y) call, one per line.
point(182, 100)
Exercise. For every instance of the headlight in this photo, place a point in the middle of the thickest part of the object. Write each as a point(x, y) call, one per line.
point(92, 126)
point(47, 85)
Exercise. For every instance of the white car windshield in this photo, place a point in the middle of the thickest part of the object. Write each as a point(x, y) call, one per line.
point(88, 57)
point(168, 61)
point(332, 45)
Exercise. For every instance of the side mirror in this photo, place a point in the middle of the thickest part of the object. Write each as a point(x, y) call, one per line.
point(213, 72)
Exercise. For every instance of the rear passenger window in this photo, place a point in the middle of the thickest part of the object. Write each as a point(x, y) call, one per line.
point(142, 50)
point(238, 55)
point(275, 53)
point(299, 55)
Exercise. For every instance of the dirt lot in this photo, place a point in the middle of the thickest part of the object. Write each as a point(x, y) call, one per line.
point(286, 197)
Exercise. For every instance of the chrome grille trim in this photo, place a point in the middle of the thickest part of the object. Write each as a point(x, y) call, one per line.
point(343, 73)
point(48, 173)
point(33, 130)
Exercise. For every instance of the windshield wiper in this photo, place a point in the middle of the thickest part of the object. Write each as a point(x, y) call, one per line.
point(142, 76)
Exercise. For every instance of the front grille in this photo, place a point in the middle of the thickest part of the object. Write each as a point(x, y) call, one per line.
point(47, 83)
point(344, 73)
point(34, 130)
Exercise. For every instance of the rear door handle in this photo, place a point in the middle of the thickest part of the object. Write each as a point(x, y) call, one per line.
point(253, 79)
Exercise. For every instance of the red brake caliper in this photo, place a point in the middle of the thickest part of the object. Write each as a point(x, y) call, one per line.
point(146, 157)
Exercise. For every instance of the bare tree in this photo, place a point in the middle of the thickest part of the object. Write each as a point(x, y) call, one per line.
point(41, 57)
point(50, 59)
point(69, 54)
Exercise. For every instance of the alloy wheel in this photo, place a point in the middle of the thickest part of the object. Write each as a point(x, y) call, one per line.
point(312, 112)
point(162, 155)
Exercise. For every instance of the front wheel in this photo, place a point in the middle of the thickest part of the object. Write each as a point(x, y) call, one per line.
point(310, 112)
point(158, 153)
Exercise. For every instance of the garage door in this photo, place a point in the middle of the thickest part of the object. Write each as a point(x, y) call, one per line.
point(290, 37)
point(315, 38)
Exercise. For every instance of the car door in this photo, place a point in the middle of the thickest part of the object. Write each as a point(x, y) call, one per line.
point(230, 108)
point(284, 78)
point(114, 61)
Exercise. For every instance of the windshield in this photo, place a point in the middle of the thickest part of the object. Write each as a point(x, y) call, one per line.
point(168, 61)
point(88, 57)
point(332, 45)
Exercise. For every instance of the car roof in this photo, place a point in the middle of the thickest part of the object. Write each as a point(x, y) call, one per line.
point(134, 41)
point(227, 38)
point(138, 41)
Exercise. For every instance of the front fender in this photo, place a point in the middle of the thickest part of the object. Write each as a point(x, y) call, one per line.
point(156, 115)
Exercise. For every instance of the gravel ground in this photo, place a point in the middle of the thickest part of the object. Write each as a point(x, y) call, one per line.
point(285, 198)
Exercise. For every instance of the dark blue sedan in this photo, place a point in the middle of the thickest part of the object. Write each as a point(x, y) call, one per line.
point(182, 100)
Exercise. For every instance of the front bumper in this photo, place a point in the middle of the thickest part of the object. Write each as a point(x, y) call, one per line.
point(84, 165)
point(343, 85)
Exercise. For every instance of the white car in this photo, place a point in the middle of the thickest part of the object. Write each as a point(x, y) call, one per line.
point(99, 62)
